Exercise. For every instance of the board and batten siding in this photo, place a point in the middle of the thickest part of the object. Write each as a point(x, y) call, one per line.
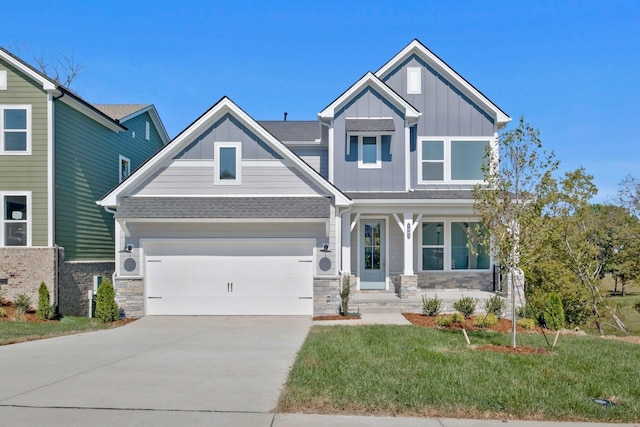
point(346, 174)
point(28, 172)
point(87, 167)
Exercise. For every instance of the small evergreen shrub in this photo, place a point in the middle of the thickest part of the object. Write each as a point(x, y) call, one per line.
point(106, 307)
point(495, 305)
point(553, 314)
point(345, 292)
point(3, 312)
point(445, 320)
point(637, 306)
point(44, 311)
point(457, 317)
point(485, 321)
point(431, 306)
point(22, 303)
point(526, 323)
point(466, 306)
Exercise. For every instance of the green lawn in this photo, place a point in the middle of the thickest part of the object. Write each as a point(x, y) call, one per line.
point(12, 332)
point(625, 305)
point(409, 370)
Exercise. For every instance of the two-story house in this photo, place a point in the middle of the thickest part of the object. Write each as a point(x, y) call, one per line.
point(58, 155)
point(236, 216)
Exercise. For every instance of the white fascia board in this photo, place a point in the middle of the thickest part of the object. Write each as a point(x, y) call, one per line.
point(223, 220)
point(47, 84)
point(91, 113)
point(415, 47)
point(222, 107)
point(155, 118)
point(370, 79)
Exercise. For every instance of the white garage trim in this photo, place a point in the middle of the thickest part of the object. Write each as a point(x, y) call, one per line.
point(243, 276)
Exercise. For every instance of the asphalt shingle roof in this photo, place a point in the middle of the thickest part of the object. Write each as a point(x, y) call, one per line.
point(224, 207)
point(416, 195)
point(293, 131)
point(118, 111)
point(370, 125)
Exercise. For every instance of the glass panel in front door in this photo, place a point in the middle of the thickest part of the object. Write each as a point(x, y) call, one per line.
point(372, 246)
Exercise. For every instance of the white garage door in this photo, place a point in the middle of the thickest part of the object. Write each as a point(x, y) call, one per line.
point(229, 276)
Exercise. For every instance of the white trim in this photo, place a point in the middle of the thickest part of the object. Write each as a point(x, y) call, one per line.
point(46, 83)
point(28, 221)
point(224, 106)
point(415, 47)
point(414, 80)
point(407, 156)
point(217, 146)
point(51, 226)
point(3, 80)
point(447, 160)
point(121, 175)
point(361, 136)
point(331, 144)
point(215, 196)
point(155, 118)
point(28, 130)
point(105, 121)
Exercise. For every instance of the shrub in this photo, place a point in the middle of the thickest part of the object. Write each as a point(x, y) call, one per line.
point(445, 320)
point(22, 303)
point(526, 323)
point(431, 306)
point(483, 321)
point(466, 306)
point(553, 314)
point(495, 305)
point(44, 311)
point(345, 291)
point(637, 306)
point(3, 312)
point(457, 317)
point(106, 307)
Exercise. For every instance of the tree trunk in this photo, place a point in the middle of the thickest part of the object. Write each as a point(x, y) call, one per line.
point(598, 324)
point(622, 288)
point(615, 285)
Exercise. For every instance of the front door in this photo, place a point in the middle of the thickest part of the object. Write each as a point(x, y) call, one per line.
point(372, 255)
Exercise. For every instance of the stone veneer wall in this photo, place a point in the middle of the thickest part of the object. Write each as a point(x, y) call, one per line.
point(477, 280)
point(324, 287)
point(24, 269)
point(130, 297)
point(76, 279)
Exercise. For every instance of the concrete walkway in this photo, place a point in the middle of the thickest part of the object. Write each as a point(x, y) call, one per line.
point(368, 319)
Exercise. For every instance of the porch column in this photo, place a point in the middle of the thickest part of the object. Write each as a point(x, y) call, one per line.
point(408, 243)
point(345, 236)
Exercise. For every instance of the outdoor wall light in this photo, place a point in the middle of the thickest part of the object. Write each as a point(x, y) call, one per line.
point(325, 248)
point(127, 248)
point(328, 298)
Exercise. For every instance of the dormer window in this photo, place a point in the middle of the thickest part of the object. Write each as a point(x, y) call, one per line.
point(368, 135)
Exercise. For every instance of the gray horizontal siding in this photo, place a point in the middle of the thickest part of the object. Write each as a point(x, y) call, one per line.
point(199, 180)
point(317, 158)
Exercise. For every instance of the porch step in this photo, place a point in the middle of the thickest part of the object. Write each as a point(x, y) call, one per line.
point(376, 302)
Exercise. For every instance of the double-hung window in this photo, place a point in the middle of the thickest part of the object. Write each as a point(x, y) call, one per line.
point(457, 160)
point(15, 220)
point(15, 129)
point(228, 159)
point(454, 245)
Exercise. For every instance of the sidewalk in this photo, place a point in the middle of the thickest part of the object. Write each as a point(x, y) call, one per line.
point(368, 319)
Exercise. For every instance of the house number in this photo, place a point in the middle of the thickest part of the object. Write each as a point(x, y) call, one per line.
point(408, 231)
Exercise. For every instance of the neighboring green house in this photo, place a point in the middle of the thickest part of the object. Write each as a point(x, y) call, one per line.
point(58, 155)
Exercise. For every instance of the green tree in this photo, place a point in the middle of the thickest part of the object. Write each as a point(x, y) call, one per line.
point(44, 310)
point(106, 307)
point(517, 185)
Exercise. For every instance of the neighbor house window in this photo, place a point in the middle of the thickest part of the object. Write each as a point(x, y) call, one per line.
point(15, 129)
point(228, 156)
point(454, 245)
point(456, 160)
point(15, 221)
point(125, 168)
point(147, 131)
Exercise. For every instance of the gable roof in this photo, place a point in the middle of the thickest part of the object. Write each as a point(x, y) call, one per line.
point(451, 75)
point(293, 130)
point(370, 80)
point(219, 109)
point(125, 112)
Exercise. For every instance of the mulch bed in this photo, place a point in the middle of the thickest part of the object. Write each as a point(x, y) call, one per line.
point(29, 316)
point(338, 317)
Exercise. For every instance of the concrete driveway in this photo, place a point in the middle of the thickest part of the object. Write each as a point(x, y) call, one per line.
point(157, 370)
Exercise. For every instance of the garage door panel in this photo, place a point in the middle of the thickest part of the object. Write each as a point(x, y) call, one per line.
point(201, 281)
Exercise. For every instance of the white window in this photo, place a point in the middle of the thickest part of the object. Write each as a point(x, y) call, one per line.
point(454, 245)
point(369, 150)
point(228, 157)
point(16, 212)
point(147, 131)
point(3, 79)
point(414, 80)
point(124, 169)
point(15, 129)
point(459, 160)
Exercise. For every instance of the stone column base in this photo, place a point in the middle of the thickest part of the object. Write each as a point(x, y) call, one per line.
point(408, 286)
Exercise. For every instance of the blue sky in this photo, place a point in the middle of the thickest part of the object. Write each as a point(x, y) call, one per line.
point(571, 68)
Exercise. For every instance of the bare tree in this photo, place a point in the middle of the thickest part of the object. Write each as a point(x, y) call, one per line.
point(63, 71)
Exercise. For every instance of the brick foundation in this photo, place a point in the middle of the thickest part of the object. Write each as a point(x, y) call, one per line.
point(76, 279)
point(24, 269)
